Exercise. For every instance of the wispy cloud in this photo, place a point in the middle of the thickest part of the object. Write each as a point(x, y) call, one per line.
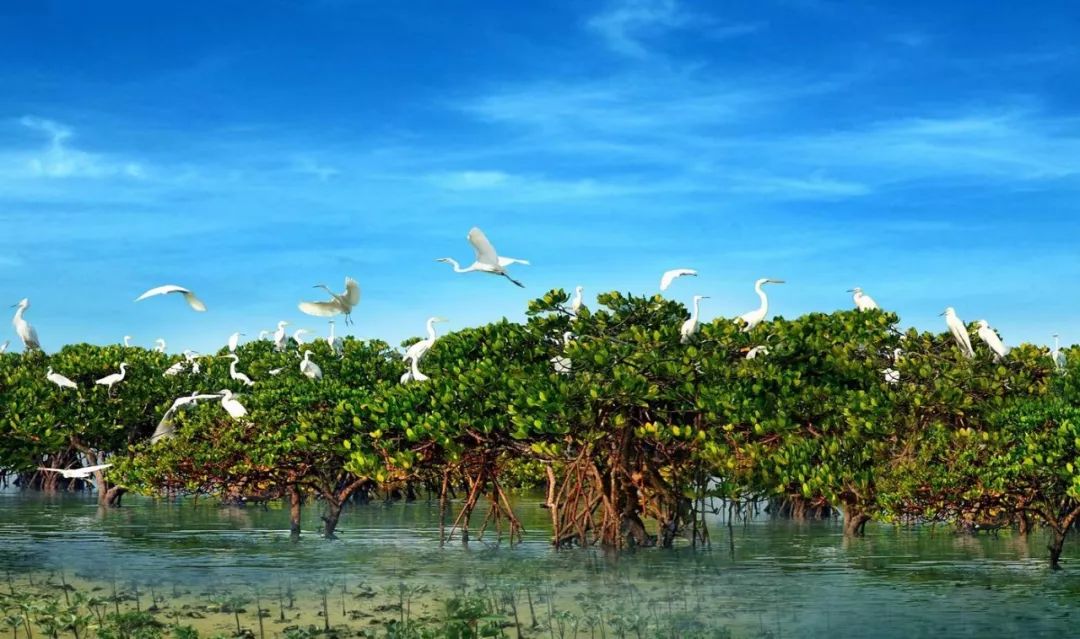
point(627, 26)
point(59, 159)
point(319, 170)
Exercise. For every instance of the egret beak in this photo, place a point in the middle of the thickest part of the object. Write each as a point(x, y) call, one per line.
point(776, 281)
point(850, 290)
point(942, 313)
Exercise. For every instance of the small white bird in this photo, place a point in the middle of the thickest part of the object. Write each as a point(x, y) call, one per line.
point(193, 360)
point(755, 317)
point(670, 276)
point(280, 336)
point(240, 377)
point(114, 379)
point(863, 302)
point(892, 376)
point(309, 368)
point(23, 328)
point(339, 304)
point(757, 350)
point(59, 380)
point(487, 259)
point(959, 332)
point(189, 297)
point(690, 326)
point(127, 341)
point(298, 335)
point(165, 428)
point(561, 363)
point(76, 473)
point(992, 340)
point(263, 335)
point(575, 304)
point(174, 370)
point(234, 341)
point(337, 346)
point(417, 350)
point(234, 408)
point(275, 371)
point(1058, 355)
point(160, 348)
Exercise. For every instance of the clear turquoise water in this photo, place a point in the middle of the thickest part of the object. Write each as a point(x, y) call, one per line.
point(781, 579)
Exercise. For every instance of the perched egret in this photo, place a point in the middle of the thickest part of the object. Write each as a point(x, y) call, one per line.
point(992, 340)
point(160, 345)
point(892, 376)
point(174, 370)
point(757, 350)
point(166, 428)
point(298, 335)
point(575, 304)
point(234, 408)
point(337, 346)
point(561, 363)
point(690, 326)
point(189, 297)
point(263, 335)
point(487, 259)
point(4, 346)
point(863, 302)
point(76, 473)
point(1058, 355)
point(338, 305)
point(23, 328)
point(309, 368)
point(755, 317)
point(414, 374)
point(240, 377)
point(959, 332)
point(127, 341)
point(280, 336)
point(193, 360)
point(114, 379)
point(234, 341)
point(670, 276)
point(417, 350)
point(275, 371)
point(59, 380)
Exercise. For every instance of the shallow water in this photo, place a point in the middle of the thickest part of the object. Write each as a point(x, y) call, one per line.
point(780, 579)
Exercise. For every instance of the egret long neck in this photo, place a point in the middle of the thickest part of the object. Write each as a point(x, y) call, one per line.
point(697, 304)
point(764, 309)
point(431, 329)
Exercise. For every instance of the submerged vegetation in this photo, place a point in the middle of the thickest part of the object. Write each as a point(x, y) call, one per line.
point(637, 431)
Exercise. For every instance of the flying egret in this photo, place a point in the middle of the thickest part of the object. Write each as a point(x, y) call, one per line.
point(166, 428)
point(127, 341)
point(992, 340)
point(240, 377)
point(690, 326)
point(189, 297)
point(298, 335)
point(23, 328)
point(863, 302)
point(280, 336)
point(413, 374)
point(417, 350)
point(4, 346)
point(309, 368)
point(234, 408)
point(337, 346)
point(561, 363)
point(1058, 355)
point(160, 345)
point(114, 379)
point(59, 380)
point(755, 317)
point(487, 259)
point(670, 276)
point(234, 341)
point(339, 304)
point(959, 332)
point(76, 473)
point(575, 304)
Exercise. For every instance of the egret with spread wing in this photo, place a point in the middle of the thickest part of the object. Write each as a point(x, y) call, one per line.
point(76, 473)
point(194, 302)
point(487, 259)
point(342, 304)
point(670, 276)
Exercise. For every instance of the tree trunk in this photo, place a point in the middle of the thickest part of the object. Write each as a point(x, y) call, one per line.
point(112, 496)
point(294, 513)
point(330, 519)
point(855, 522)
point(1055, 547)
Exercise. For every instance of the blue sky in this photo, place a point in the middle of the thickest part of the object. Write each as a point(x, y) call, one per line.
point(927, 152)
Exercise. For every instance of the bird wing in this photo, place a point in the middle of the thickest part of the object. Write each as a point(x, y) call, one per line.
point(352, 292)
point(992, 340)
point(507, 261)
point(485, 252)
point(91, 469)
point(162, 290)
point(670, 276)
point(194, 302)
point(52, 470)
point(321, 309)
point(869, 303)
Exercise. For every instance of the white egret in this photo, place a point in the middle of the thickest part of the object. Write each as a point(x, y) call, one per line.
point(561, 363)
point(757, 350)
point(275, 371)
point(309, 368)
point(114, 379)
point(690, 326)
point(160, 345)
point(992, 340)
point(189, 297)
point(23, 328)
point(863, 302)
point(298, 335)
point(413, 374)
point(192, 359)
point(487, 259)
point(417, 350)
point(959, 332)
point(165, 428)
point(127, 341)
point(575, 304)
point(892, 376)
point(234, 408)
point(338, 305)
point(280, 336)
point(174, 370)
point(4, 346)
point(1058, 355)
point(337, 346)
point(234, 341)
point(670, 276)
point(59, 380)
point(76, 473)
point(233, 373)
point(263, 335)
point(755, 317)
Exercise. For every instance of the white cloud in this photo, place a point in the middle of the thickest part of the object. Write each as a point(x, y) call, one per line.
point(60, 160)
point(628, 24)
point(308, 166)
point(470, 180)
